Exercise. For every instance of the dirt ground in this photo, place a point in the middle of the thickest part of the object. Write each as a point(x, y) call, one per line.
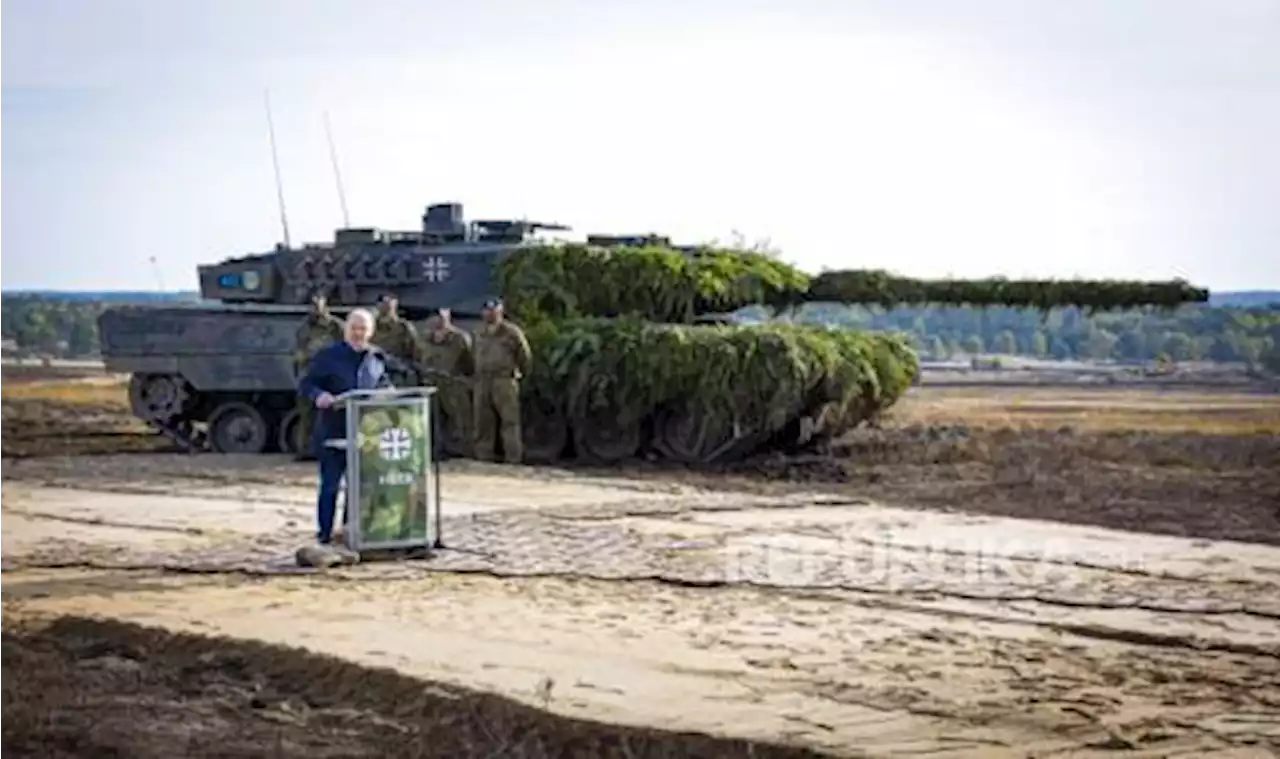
point(995, 573)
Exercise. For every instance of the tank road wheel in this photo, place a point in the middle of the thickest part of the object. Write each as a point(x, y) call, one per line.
point(545, 433)
point(289, 434)
point(160, 398)
point(607, 440)
point(238, 428)
point(690, 434)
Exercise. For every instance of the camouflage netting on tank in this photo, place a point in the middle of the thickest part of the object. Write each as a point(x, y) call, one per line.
point(619, 370)
point(666, 285)
point(659, 284)
point(707, 392)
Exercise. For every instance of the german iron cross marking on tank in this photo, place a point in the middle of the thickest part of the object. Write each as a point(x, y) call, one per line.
point(435, 269)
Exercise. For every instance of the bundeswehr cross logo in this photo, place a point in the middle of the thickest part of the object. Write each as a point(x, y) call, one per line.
point(435, 269)
point(394, 444)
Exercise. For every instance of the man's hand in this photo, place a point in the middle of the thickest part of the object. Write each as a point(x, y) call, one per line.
point(324, 400)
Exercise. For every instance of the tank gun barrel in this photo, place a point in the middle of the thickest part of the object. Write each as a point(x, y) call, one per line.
point(675, 285)
point(883, 288)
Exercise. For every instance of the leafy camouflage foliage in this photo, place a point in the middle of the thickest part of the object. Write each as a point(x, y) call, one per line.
point(620, 366)
point(658, 284)
point(668, 285)
point(884, 289)
point(705, 392)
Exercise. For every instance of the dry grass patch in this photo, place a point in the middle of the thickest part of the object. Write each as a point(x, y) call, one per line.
point(1099, 410)
point(1196, 464)
point(110, 391)
point(69, 416)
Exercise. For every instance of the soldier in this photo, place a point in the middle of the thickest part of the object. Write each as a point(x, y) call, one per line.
point(448, 363)
point(502, 357)
point(397, 337)
point(318, 329)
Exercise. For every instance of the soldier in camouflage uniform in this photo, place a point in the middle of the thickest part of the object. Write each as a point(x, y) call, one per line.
point(318, 329)
point(502, 356)
point(448, 363)
point(399, 339)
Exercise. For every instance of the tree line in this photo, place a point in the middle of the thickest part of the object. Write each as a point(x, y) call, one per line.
point(1189, 333)
point(61, 326)
point(51, 325)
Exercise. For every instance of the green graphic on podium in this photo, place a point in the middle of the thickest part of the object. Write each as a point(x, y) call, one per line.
point(392, 493)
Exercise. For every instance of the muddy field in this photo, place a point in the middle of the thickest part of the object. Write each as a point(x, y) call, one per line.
point(996, 572)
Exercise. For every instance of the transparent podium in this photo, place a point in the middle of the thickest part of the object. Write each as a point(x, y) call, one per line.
point(392, 489)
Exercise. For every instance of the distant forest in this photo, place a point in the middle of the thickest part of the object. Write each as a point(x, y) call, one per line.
point(65, 325)
point(1192, 333)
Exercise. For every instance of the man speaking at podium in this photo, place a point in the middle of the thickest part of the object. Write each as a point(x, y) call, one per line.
point(352, 363)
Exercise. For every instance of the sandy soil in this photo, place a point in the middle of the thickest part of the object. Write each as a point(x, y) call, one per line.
point(869, 603)
point(99, 688)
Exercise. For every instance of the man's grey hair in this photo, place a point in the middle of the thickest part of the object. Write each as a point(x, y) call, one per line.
point(364, 315)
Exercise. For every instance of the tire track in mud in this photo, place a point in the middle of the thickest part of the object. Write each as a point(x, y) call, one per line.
point(1087, 631)
point(99, 522)
point(593, 543)
point(614, 514)
point(874, 597)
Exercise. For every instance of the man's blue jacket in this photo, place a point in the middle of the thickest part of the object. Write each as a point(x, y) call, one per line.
point(336, 369)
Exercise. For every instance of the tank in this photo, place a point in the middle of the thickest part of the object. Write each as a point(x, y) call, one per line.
point(635, 354)
point(218, 374)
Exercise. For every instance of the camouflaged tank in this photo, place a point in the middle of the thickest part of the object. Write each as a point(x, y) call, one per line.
point(634, 351)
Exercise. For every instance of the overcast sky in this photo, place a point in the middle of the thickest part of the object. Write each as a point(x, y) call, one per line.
point(1096, 138)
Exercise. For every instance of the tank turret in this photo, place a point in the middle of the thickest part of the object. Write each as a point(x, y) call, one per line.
point(449, 263)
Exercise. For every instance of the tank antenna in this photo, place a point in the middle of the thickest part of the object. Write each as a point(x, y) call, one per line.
point(337, 174)
point(275, 162)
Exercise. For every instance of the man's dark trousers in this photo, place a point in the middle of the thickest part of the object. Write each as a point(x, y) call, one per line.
point(333, 463)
